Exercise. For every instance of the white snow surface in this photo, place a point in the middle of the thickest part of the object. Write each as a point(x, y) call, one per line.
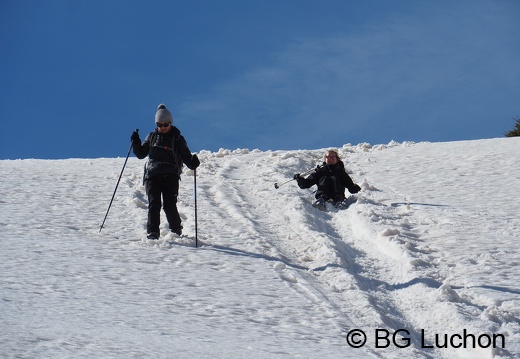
point(430, 247)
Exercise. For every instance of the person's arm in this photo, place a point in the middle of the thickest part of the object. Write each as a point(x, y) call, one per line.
point(308, 182)
point(349, 184)
point(140, 150)
point(192, 161)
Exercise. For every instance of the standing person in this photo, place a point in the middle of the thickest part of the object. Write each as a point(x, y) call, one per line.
point(167, 150)
point(331, 179)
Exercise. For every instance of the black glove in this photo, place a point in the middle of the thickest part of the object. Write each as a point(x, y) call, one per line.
point(354, 189)
point(135, 137)
point(195, 162)
point(299, 179)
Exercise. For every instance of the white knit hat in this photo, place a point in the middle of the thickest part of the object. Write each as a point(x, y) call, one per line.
point(163, 115)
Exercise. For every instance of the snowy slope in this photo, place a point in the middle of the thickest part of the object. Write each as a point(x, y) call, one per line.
point(430, 250)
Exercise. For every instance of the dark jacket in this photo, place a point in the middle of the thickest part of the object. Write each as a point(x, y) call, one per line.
point(336, 170)
point(166, 153)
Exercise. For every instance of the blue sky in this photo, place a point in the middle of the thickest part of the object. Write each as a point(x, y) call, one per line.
point(77, 77)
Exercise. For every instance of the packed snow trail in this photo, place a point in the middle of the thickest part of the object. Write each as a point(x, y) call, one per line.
point(430, 246)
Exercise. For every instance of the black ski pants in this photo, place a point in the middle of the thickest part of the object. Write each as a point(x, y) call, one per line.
point(168, 187)
point(330, 187)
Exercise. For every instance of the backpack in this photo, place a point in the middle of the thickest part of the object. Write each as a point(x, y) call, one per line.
point(177, 159)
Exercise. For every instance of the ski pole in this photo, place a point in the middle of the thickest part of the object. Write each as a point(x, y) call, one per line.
point(276, 185)
point(195, 194)
point(113, 195)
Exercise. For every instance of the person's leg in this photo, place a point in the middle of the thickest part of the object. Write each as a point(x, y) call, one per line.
point(170, 193)
point(338, 189)
point(325, 188)
point(153, 190)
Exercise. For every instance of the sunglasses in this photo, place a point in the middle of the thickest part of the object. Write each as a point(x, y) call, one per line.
point(163, 125)
point(330, 157)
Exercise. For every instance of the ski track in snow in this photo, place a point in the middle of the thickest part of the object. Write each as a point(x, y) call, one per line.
point(431, 245)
